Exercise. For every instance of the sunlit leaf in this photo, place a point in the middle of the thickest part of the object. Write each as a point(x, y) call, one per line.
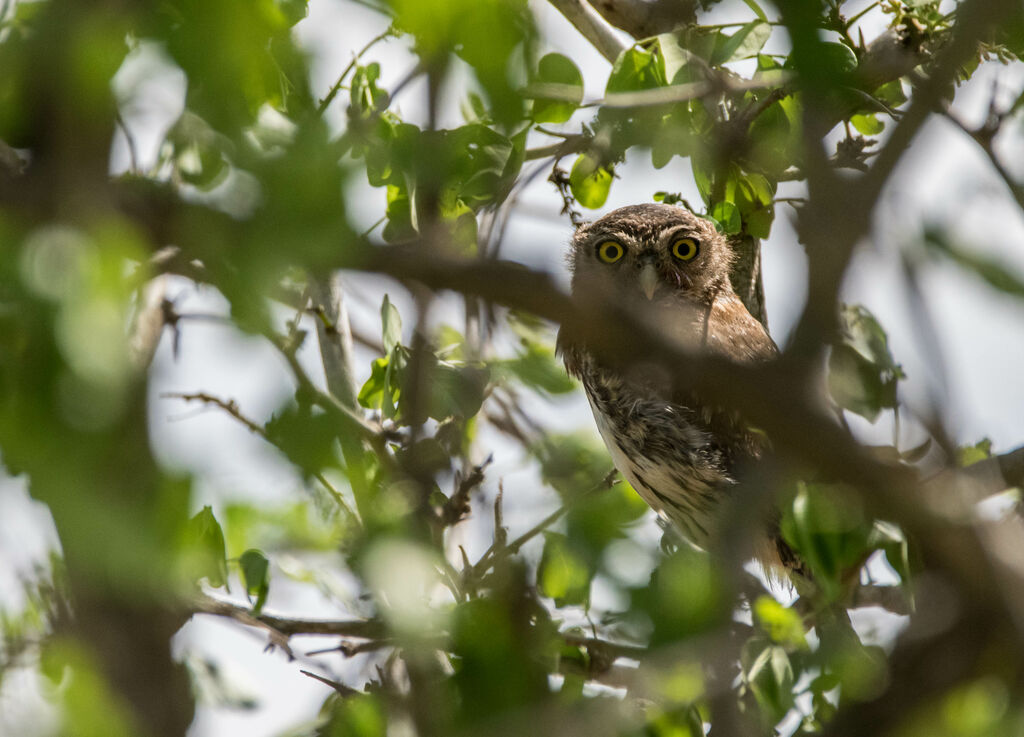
point(869, 125)
point(589, 182)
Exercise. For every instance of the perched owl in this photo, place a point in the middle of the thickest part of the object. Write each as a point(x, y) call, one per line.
point(677, 451)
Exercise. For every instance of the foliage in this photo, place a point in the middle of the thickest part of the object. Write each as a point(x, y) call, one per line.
point(532, 633)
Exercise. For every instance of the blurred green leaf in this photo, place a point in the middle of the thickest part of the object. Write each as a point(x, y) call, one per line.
point(968, 455)
point(391, 325)
point(492, 37)
point(563, 574)
point(890, 539)
point(536, 366)
point(556, 69)
point(572, 464)
point(863, 375)
point(195, 151)
point(353, 715)
point(306, 436)
point(491, 637)
point(769, 674)
point(685, 596)
point(204, 549)
point(869, 125)
point(891, 93)
point(743, 44)
point(784, 626)
point(996, 274)
point(378, 393)
point(775, 139)
point(456, 390)
point(589, 182)
point(757, 9)
point(365, 97)
point(256, 576)
point(826, 525)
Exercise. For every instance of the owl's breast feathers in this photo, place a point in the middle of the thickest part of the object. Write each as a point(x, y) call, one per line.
point(677, 451)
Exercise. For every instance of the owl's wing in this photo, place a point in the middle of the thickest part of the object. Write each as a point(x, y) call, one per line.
point(730, 331)
point(734, 333)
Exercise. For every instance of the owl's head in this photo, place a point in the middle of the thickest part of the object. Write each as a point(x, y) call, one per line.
point(651, 252)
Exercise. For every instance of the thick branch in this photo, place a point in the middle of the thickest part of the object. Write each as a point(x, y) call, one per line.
point(369, 629)
point(591, 26)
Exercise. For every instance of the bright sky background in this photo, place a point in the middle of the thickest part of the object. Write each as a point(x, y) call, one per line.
point(944, 179)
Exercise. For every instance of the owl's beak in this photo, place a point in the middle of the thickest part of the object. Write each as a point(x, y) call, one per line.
point(649, 280)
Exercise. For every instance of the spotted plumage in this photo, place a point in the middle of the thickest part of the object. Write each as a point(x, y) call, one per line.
point(679, 453)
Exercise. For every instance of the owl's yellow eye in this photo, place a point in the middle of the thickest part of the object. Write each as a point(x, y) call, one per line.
point(685, 249)
point(610, 252)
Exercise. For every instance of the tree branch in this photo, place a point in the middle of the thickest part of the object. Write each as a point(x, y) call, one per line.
point(334, 334)
point(592, 27)
point(367, 629)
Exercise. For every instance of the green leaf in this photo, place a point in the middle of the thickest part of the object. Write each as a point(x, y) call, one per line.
point(635, 69)
point(891, 93)
point(869, 125)
point(391, 325)
point(375, 391)
point(757, 9)
point(702, 178)
point(996, 274)
point(562, 574)
point(727, 215)
point(589, 182)
point(858, 385)
point(354, 715)
point(674, 57)
point(366, 99)
point(890, 539)
point(775, 143)
point(556, 69)
point(968, 455)
point(256, 576)
point(759, 223)
point(456, 390)
point(863, 375)
point(204, 549)
point(537, 367)
point(743, 44)
point(783, 625)
point(399, 226)
point(769, 673)
point(198, 152)
point(826, 525)
point(306, 436)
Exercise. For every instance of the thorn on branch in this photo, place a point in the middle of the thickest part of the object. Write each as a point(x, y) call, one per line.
point(341, 688)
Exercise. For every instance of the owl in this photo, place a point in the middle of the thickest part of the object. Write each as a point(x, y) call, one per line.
point(680, 453)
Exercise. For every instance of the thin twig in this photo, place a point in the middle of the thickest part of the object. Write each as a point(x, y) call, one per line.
point(231, 407)
point(324, 103)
